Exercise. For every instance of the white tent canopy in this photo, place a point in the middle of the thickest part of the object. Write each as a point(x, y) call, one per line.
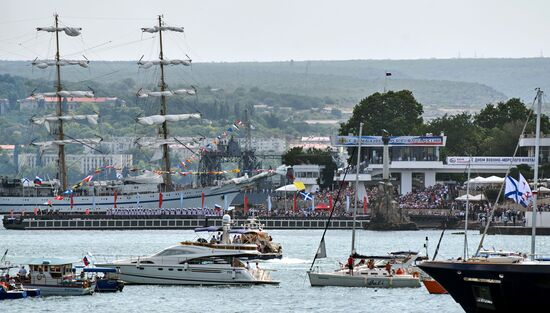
point(287, 188)
point(494, 180)
point(486, 180)
point(479, 197)
point(464, 197)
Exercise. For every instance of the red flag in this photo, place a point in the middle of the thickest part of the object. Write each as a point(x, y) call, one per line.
point(85, 261)
point(330, 201)
point(72, 201)
point(58, 198)
point(160, 199)
point(35, 211)
point(114, 196)
point(245, 204)
point(365, 201)
point(295, 203)
point(202, 199)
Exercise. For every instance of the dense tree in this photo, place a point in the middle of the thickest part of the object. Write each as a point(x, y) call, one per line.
point(397, 112)
point(463, 136)
point(510, 111)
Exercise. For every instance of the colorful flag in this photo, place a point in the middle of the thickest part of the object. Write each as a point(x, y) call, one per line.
point(245, 204)
point(160, 199)
point(202, 200)
point(526, 193)
point(511, 189)
point(37, 180)
point(88, 178)
point(307, 196)
point(86, 261)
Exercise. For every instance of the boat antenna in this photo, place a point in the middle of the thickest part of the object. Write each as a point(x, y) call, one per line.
point(490, 217)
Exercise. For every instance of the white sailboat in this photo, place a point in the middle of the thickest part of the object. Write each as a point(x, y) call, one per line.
point(362, 274)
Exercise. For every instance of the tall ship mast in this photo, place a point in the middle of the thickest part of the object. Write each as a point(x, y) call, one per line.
point(54, 123)
point(164, 92)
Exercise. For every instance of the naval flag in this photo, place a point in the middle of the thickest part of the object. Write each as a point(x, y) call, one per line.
point(526, 194)
point(520, 191)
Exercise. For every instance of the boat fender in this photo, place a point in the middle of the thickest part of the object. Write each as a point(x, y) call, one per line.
point(186, 266)
point(233, 274)
point(39, 276)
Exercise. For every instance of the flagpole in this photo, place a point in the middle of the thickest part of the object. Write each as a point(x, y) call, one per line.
point(536, 174)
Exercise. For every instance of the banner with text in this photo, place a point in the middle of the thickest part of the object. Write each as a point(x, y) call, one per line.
point(464, 160)
point(376, 141)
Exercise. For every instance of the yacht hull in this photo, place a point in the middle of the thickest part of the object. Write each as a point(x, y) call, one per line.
point(189, 198)
point(50, 290)
point(345, 280)
point(494, 287)
point(180, 275)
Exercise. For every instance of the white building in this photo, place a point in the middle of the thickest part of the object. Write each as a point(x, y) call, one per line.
point(416, 159)
point(265, 145)
point(309, 174)
point(85, 162)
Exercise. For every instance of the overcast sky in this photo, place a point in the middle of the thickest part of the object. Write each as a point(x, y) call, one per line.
point(271, 30)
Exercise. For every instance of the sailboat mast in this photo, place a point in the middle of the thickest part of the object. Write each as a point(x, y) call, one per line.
point(356, 188)
point(467, 210)
point(62, 167)
point(536, 175)
point(164, 126)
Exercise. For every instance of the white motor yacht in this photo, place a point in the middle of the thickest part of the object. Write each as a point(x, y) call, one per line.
point(195, 263)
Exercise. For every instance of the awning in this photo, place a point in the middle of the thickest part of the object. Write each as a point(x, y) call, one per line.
point(98, 270)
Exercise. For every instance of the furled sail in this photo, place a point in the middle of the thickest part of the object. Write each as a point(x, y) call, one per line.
point(70, 31)
point(148, 64)
point(155, 29)
point(159, 119)
point(42, 64)
point(64, 93)
point(48, 144)
point(167, 93)
point(47, 120)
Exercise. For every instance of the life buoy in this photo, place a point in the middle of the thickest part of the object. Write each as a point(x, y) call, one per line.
point(39, 276)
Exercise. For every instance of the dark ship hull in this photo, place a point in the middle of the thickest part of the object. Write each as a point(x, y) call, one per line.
point(494, 287)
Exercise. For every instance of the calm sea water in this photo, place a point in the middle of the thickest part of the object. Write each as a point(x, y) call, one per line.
point(294, 294)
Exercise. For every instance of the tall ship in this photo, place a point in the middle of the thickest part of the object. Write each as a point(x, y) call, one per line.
point(149, 190)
